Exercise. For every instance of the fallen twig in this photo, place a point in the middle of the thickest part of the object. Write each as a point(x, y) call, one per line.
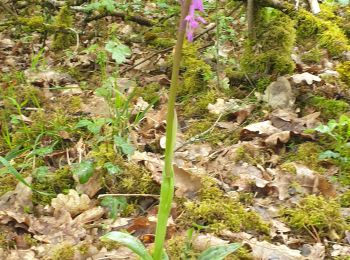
point(127, 195)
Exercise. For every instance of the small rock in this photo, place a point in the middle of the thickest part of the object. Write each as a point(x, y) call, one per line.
point(279, 94)
point(346, 56)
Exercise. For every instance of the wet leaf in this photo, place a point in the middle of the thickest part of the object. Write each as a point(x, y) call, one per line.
point(84, 170)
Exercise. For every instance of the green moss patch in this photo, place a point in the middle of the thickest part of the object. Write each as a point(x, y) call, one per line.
point(327, 33)
point(271, 52)
point(344, 71)
point(216, 212)
point(316, 215)
point(307, 153)
point(133, 178)
point(53, 183)
point(63, 21)
point(329, 108)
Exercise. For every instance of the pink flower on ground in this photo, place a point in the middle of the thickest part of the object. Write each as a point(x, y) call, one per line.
point(193, 19)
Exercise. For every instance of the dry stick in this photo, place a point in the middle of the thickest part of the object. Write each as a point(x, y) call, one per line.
point(198, 136)
point(128, 195)
point(170, 48)
point(134, 18)
point(146, 59)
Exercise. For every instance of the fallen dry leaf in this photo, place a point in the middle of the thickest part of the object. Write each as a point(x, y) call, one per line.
point(266, 251)
point(221, 106)
point(262, 128)
point(93, 185)
point(72, 203)
point(202, 242)
point(187, 184)
point(96, 107)
point(281, 137)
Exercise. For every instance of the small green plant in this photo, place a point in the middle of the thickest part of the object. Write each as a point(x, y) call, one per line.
point(337, 140)
point(94, 126)
point(339, 133)
point(114, 205)
point(101, 59)
point(84, 170)
point(118, 50)
point(36, 59)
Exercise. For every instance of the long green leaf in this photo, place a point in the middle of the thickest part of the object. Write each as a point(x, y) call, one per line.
point(130, 242)
point(218, 252)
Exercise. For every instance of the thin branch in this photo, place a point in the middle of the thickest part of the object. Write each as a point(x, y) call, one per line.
point(127, 195)
point(198, 136)
point(133, 18)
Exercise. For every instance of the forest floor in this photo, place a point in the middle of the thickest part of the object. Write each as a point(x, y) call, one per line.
point(262, 151)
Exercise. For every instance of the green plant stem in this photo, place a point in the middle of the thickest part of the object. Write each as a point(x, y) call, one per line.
point(167, 188)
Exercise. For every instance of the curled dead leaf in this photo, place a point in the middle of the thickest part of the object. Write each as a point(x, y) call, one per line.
point(72, 202)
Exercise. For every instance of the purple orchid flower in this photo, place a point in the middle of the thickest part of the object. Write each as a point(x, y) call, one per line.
point(194, 19)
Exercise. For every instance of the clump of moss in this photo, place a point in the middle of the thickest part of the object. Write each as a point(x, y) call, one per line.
point(63, 21)
point(334, 40)
point(250, 154)
point(344, 71)
point(329, 108)
point(327, 33)
point(217, 212)
point(307, 153)
point(149, 92)
point(262, 83)
point(346, 24)
point(52, 183)
point(75, 103)
point(24, 95)
point(216, 136)
point(133, 178)
point(197, 105)
point(270, 52)
point(236, 76)
point(345, 199)
point(64, 251)
point(312, 56)
point(33, 23)
point(163, 43)
point(316, 214)
point(7, 183)
point(197, 72)
point(179, 248)
point(288, 167)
